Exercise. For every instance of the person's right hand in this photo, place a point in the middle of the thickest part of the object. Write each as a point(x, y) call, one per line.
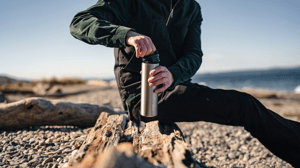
point(143, 44)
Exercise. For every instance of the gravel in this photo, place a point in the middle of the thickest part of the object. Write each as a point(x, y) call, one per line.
point(211, 144)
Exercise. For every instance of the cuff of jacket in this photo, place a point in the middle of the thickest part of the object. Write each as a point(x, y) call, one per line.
point(122, 33)
point(176, 75)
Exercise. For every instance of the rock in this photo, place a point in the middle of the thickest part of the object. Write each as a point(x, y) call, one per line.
point(48, 141)
point(246, 157)
point(34, 162)
point(74, 153)
point(50, 159)
point(10, 148)
point(14, 163)
point(253, 160)
point(66, 151)
point(78, 144)
point(66, 138)
point(221, 158)
point(42, 142)
point(55, 165)
point(25, 165)
point(39, 166)
point(234, 147)
point(31, 140)
point(231, 155)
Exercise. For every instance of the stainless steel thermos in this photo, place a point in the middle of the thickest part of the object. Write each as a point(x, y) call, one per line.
point(148, 97)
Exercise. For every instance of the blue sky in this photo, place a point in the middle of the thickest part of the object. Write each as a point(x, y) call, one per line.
point(236, 34)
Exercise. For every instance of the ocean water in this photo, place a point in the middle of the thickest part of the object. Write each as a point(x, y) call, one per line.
point(279, 79)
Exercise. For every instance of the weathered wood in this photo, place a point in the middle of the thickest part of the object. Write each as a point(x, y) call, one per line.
point(159, 144)
point(41, 112)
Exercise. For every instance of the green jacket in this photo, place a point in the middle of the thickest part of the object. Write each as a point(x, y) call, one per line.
point(177, 42)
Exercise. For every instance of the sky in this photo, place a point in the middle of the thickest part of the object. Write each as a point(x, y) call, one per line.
point(35, 41)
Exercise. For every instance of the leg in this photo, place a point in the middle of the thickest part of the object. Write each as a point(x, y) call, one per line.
point(193, 102)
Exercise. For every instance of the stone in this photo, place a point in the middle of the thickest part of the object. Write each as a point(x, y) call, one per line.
point(48, 141)
point(14, 163)
point(25, 165)
point(10, 148)
point(66, 138)
point(234, 146)
point(50, 159)
point(73, 135)
point(42, 142)
point(246, 157)
point(34, 162)
point(31, 140)
point(221, 158)
point(231, 155)
point(55, 165)
point(253, 160)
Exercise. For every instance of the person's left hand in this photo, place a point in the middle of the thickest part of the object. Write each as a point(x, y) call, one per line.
point(160, 75)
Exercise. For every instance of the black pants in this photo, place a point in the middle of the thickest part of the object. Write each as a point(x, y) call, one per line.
point(193, 102)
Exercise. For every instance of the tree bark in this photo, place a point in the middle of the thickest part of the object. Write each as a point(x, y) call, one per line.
point(41, 112)
point(106, 146)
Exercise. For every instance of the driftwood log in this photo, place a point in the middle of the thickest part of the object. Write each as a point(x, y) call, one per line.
point(114, 140)
point(158, 145)
point(41, 112)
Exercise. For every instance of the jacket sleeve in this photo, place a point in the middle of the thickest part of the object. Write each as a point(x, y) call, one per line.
point(187, 66)
point(103, 23)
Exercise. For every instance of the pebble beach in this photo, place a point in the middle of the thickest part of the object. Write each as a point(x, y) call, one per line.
point(212, 145)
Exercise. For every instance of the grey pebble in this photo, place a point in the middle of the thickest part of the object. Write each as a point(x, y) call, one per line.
point(231, 155)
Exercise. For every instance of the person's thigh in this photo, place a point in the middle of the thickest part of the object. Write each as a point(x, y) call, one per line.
point(193, 102)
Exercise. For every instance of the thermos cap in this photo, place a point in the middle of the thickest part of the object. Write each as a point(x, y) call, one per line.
point(151, 59)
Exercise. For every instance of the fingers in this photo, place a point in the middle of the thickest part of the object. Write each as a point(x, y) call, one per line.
point(141, 49)
point(143, 44)
point(160, 75)
point(165, 87)
point(151, 45)
point(158, 70)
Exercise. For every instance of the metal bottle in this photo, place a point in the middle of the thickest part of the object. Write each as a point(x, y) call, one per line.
point(148, 97)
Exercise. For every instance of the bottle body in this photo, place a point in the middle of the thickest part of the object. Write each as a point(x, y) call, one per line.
point(148, 97)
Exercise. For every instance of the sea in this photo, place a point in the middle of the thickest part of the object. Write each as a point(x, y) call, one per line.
point(278, 79)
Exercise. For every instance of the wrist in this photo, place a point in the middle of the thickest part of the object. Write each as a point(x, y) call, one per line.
point(128, 35)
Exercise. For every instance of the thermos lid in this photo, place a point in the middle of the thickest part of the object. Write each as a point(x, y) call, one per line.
point(151, 59)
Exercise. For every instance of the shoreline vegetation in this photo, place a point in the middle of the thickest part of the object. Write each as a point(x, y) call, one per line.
point(212, 144)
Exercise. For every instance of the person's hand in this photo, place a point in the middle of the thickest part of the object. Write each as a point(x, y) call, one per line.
point(160, 75)
point(143, 44)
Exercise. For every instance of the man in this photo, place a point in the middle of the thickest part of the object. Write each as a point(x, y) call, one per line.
point(137, 28)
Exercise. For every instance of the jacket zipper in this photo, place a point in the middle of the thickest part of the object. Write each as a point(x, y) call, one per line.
point(171, 13)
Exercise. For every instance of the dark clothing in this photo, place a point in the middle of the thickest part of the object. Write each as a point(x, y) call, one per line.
point(193, 102)
point(178, 43)
point(179, 46)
